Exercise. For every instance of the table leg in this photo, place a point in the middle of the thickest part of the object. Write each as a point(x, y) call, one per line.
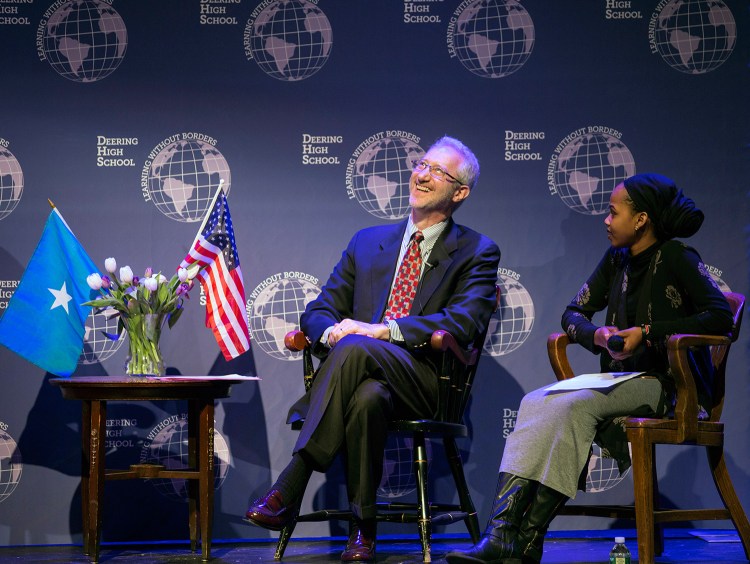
point(85, 457)
point(192, 485)
point(206, 471)
point(92, 511)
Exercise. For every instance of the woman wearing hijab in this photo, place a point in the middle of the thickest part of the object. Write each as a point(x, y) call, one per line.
point(651, 286)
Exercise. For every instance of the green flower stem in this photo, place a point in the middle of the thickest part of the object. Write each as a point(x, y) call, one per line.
point(145, 357)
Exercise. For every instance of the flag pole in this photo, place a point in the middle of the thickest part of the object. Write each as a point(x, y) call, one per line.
point(58, 214)
point(211, 206)
point(193, 269)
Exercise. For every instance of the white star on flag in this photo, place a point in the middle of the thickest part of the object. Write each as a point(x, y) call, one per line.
point(61, 298)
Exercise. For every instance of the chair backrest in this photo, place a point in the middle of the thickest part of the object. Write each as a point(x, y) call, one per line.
point(457, 371)
point(720, 353)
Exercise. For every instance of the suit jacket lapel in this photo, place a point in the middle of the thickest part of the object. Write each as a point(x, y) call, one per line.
point(384, 269)
point(439, 260)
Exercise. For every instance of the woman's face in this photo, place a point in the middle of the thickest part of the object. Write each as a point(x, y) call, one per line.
point(622, 220)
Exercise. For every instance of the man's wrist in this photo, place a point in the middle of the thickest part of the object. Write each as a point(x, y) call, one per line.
point(387, 335)
point(394, 332)
point(324, 337)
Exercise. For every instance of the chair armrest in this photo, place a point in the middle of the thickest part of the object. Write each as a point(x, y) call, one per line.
point(557, 344)
point(686, 410)
point(442, 341)
point(455, 369)
point(296, 341)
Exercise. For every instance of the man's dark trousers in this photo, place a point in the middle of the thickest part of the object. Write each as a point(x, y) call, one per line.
point(362, 385)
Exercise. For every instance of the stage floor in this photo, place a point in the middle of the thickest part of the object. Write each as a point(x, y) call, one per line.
point(572, 547)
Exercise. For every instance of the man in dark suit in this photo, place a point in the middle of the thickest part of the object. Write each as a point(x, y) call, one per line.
point(371, 325)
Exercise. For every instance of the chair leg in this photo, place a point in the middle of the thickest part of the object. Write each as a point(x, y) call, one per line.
point(643, 463)
point(724, 485)
point(467, 505)
point(284, 536)
point(420, 470)
point(658, 528)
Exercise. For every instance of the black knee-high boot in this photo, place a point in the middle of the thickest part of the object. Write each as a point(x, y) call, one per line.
point(511, 501)
point(546, 504)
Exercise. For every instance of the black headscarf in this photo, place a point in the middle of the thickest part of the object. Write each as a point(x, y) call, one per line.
point(671, 212)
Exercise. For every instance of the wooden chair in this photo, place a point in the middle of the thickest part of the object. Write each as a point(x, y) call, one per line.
point(683, 429)
point(456, 374)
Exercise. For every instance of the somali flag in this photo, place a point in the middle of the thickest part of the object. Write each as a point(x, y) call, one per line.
point(45, 321)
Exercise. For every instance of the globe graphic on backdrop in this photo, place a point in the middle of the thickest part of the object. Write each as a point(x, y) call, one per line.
point(695, 36)
point(290, 39)
point(588, 169)
point(276, 311)
point(183, 179)
point(511, 324)
point(723, 286)
point(85, 40)
point(493, 38)
point(603, 473)
point(170, 448)
point(10, 465)
point(398, 466)
point(97, 346)
point(381, 176)
point(11, 182)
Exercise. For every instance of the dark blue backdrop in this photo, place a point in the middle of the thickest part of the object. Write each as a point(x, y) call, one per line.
point(127, 114)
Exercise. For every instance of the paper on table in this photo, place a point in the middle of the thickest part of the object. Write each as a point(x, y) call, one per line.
point(220, 377)
point(593, 381)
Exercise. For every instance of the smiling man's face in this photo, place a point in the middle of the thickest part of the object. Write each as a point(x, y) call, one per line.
point(432, 198)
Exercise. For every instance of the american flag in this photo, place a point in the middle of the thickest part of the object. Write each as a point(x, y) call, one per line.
point(215, 252)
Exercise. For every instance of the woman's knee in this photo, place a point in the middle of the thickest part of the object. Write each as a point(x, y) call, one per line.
point(571, 405)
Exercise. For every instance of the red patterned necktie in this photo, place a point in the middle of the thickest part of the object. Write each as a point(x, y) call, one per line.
point(407, 280)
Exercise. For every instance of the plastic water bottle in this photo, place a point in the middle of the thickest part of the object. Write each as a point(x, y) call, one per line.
point(619, 553)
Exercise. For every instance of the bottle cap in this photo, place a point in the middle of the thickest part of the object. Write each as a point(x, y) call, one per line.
point(619, 540)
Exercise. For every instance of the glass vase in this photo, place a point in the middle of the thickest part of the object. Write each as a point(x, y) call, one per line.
point(144, 358)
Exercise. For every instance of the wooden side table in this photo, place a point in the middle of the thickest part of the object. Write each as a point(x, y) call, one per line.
point(94, 392)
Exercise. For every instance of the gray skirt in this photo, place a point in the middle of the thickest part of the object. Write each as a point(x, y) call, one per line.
point(554, 430)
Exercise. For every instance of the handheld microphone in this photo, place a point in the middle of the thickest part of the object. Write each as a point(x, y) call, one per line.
point(616, 343)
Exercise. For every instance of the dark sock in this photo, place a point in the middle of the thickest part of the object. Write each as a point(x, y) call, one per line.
point(293, 479)
point(368, 527)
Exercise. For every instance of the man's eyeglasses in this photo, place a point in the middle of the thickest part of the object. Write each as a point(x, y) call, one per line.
point(436, 171)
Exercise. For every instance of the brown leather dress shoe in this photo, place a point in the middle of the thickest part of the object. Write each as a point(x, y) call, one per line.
point(361, 544)
point(270, 512)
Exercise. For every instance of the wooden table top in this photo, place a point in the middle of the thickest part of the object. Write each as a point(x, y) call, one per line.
point(126, 388)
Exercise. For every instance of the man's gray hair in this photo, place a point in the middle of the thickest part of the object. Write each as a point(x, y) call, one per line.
point(468, 172)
